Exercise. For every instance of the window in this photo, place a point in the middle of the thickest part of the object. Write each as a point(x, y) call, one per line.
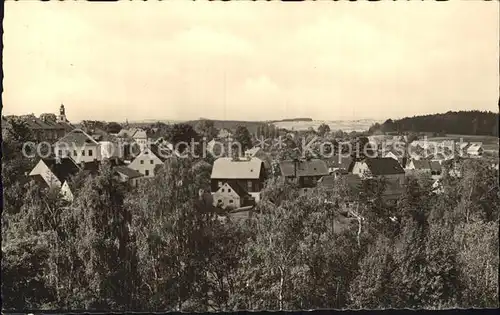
point(142, 161)
point(74, 152)
point(90, 152)
point(220, 184)
point(222, 190)
point(151, 161)
point(219, 201)
point(83, 152)
point(231, 201)
point(249, 185)
point(60, 152)
point(147, 172)
point(228, 190)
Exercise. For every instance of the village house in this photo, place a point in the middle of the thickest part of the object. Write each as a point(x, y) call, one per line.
point(80, 146)
point(232, 197)
point(148, 159)
point(423, 166)
point(475, 149)
point(54, 173)
point(339, 165)
point(305, 173)
point(248, 173)
point(398, 156)
point(125, 174)
point(387, 169)
point(141, 138)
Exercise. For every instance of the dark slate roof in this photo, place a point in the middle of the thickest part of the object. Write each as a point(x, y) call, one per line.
point(127, 171)
point(35, 123)
point(313, 167)
point(338, 161)
point(384, 166)
point(62, 168)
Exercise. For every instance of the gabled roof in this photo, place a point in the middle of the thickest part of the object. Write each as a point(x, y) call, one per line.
point(227, 168)
point(62, 168)
point(77, 137)
point(384, 166)
point(127, 171)
point(140, 134)
point(313, 167)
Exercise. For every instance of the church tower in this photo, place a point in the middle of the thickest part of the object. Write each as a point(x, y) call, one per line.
point(62, 115)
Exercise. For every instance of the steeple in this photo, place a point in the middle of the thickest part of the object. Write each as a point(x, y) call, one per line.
point(62, 114)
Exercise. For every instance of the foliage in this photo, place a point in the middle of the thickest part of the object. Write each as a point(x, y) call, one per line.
point(462, 122)
point(242, 136)
point(160, 246)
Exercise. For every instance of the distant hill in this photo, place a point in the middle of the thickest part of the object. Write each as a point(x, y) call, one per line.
point(232, 124)
point(462, 122)
point(291, 119)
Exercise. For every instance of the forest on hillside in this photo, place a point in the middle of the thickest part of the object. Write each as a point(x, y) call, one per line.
point(462, 122)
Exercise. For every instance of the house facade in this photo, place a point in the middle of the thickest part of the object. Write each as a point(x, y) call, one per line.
point(386, 169)
point(232, 197)
point(305, 173)
point(248, 173)
point(146, 162)
point(78, 145)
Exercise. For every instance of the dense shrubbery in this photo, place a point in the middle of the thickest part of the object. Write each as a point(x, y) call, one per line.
point(153, 248)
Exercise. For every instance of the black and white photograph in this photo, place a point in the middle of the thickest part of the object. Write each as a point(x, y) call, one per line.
point(223, 156)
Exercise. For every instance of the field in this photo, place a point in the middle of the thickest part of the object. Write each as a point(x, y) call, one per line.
point(344, 125)
point(490, 143)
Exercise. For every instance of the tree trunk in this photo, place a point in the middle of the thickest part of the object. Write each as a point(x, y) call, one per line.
point(282, 281)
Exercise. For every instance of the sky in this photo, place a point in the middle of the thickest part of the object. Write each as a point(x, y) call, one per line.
point(180, 60)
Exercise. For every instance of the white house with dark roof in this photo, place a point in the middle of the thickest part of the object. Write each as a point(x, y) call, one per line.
point(249, 173)
point(232, 197)
point(379, 167)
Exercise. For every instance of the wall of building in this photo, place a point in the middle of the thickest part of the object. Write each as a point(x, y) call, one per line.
point(145, 163)
point(86, 153)
point(227, 196)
